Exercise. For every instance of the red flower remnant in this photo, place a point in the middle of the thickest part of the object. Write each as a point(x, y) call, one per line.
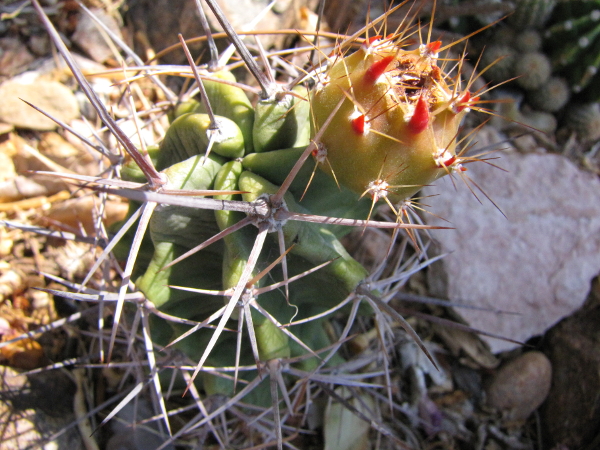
point(358, 124)
point(434, 46)
point(370, 40)
point(420, 118)
point(465, 102)
point(448, 162)
point(378, 68)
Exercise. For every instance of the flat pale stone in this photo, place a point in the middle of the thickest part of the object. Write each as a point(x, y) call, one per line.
point(520, 386)
point(51, 96)
point(538, 262)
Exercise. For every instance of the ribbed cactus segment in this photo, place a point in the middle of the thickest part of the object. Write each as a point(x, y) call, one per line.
point(531, 13)
point(396, 128)
point(281, 121)
point(573, 40)
point(232, 102)
point(190, 134)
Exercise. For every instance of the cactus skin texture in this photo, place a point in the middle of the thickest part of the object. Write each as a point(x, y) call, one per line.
point(533, 70)
point(396, 131)
point(584, 120)
point(551, 96)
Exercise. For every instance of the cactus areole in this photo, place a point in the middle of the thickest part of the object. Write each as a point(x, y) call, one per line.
point(398, 124)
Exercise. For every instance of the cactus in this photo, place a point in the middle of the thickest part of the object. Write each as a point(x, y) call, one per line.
point(528, 40)
point(531, 13)
point(533, 70)
point(501, 58)
point(551, 96)
point(244, 285)
point(572, 38)
point(584, 120)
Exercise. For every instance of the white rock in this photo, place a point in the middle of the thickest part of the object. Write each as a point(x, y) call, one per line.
point(538, 262)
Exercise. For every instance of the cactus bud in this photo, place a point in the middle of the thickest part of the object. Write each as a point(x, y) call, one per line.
point(398, 123)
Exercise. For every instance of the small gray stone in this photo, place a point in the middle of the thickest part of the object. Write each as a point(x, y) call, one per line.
point(39, 44)
point(537, 262)
point(50, 96)
point(14, 57)
point(520, 386)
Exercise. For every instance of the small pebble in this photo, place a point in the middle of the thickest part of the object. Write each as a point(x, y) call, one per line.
point(14, 57)
point(51, 96)
point(520, 386)
point(39, 44)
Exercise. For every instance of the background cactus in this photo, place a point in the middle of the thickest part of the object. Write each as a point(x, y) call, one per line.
point(550, 96)
point(549, 47)
point(531, 13)
point(572, 38)
point(244, 285)
point(584, 120)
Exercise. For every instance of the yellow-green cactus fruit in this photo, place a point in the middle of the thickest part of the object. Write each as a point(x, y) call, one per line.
point(396, 129)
